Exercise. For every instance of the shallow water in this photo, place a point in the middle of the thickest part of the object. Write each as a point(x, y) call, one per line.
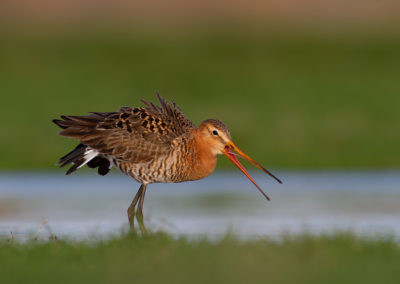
point(85, 204)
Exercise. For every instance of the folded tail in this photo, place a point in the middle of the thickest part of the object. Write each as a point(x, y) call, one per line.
point(83, 155)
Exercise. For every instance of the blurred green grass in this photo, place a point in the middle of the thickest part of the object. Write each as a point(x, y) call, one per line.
point(158, 258)
point(291, 101)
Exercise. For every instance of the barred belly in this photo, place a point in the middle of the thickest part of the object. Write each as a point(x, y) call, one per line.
point(170, 168)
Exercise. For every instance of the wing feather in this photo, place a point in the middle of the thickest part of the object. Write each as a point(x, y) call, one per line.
point(133, 135)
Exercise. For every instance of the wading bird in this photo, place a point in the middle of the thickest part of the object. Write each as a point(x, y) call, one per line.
point(150, 144)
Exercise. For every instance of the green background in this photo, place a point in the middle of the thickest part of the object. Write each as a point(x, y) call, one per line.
point(291, 100)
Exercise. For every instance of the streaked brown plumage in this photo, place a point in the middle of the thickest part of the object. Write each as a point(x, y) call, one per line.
point(150, 144)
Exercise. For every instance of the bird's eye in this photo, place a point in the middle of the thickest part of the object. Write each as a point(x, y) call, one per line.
point(215, 132)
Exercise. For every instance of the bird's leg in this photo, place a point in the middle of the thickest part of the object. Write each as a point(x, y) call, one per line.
point(131, 209)
point(139, 211)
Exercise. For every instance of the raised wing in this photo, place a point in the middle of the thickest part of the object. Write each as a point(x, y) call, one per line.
point(178, 124)
point(133, 134)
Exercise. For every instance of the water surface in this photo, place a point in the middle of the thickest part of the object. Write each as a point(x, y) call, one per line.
point(85, 204)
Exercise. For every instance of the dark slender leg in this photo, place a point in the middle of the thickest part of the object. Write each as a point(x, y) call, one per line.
point(139, 211)
point(131, 209)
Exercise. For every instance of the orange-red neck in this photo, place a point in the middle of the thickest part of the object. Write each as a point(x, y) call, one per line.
point(205, 160)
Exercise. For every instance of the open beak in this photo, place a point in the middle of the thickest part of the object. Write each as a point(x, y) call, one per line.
point(232, 156)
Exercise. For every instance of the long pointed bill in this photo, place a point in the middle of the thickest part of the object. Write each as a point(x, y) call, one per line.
point(231, 156)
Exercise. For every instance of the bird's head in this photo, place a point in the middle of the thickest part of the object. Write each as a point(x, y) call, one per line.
point(218, 139)
point(215, 135)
